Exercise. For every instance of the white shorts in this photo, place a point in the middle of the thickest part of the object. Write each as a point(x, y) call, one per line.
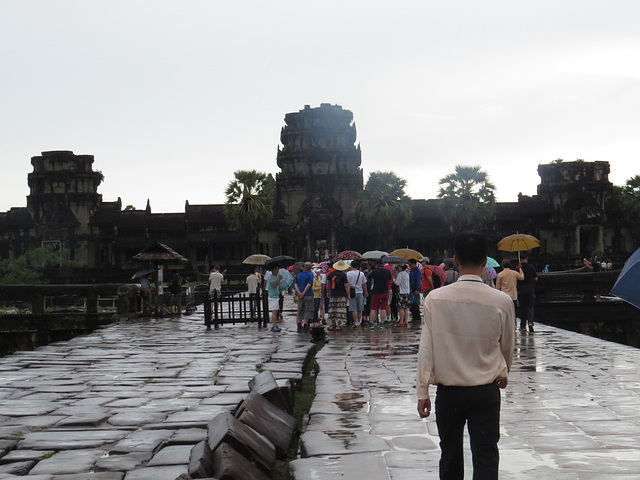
point(274, 304)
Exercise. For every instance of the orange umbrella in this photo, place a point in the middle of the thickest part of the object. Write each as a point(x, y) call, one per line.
point(407, 253)
point(518, 242)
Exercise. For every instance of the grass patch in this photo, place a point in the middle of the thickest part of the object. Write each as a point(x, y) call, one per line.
point(303, 400)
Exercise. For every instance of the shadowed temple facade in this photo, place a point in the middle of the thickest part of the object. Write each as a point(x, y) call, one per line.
point(575, 213)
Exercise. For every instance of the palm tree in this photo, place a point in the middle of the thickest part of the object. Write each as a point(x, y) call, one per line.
point(468, 199)
point(630, 201)
point(384, 208)
point(249, 206)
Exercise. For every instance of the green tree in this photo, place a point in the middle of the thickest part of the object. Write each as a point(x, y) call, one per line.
point(249, 206)
point(27, 268)
point(630, 200)
point(384, 208)
point(468, 200)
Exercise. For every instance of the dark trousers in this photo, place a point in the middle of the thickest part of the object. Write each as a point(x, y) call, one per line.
point(527, 301)
point(479, 407)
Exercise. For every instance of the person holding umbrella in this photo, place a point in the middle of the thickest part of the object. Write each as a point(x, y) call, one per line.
point(273, 289)
point(507, 280)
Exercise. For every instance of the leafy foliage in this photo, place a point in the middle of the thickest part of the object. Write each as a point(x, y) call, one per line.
point(384, 208)
point(468, 199)
point(630, 199)
point(27, 268)
point(250, 199)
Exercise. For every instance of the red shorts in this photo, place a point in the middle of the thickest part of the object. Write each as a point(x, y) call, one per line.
point(379, 301)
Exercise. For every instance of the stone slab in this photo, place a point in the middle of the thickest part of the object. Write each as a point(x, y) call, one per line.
point(171, 455)
point(314, 443)
point(369, 466)
point(67, 440)
point(142, 441)
point(69, 461)
point(156, 473)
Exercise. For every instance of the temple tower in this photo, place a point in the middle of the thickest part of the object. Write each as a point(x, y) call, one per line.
point(63, 197)
point(320, 179)
point(576, 197)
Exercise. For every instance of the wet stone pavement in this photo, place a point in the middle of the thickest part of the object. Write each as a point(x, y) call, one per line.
point(129, 401)
point(571, 410)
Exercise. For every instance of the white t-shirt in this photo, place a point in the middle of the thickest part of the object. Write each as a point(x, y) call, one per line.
point(402, 280)
point(215, 281)
point(356, 279)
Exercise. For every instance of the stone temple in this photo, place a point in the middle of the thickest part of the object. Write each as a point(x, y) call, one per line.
point(575, 213)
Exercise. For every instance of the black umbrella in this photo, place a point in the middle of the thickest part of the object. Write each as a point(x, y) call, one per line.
point(144, 272)
point(281, 260)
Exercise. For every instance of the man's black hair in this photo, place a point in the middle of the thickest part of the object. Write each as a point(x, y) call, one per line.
point(379, 263)
point(413, 261)
point(470, 248)
point(355, 263)
point(275, 265)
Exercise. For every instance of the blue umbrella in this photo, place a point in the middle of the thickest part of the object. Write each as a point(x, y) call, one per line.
point(287, 279)
point(491, 262)
point(627, 286)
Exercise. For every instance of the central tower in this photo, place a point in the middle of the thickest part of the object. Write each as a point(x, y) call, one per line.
point(320, 180)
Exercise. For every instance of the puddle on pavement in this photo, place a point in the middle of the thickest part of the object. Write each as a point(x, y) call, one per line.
point(348, 396)
point(350, 406)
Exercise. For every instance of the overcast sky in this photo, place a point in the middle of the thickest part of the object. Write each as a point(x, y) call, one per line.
point(172, 96)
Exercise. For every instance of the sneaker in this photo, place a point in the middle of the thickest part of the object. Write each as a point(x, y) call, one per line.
point(368, 326)
point(531, 328)
point(299, 329)
point(275, 329)
point(523, 330)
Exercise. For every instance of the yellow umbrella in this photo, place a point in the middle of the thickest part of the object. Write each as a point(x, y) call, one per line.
point(407, 253)
point(518, 242)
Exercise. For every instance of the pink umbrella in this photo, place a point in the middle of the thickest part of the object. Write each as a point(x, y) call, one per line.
point(440, 272)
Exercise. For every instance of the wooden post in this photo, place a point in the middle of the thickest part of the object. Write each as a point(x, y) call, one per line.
point(207, 313)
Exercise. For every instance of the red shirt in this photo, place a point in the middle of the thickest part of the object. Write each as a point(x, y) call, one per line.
point(390, 268)
point(427, 279)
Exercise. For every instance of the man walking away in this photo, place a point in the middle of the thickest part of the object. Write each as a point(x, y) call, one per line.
point(253, 281)
point(527, 294)
point(415, 282)
point(466, 349)
point(380, 278)
point(215, 281)
point(507, 280)
point(304, 289)
point(358, 284)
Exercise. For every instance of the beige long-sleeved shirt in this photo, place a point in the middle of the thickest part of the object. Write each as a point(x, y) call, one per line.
point(507, 282)
point(467, 336)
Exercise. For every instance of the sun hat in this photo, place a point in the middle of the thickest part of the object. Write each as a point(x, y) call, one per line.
point(341, 265)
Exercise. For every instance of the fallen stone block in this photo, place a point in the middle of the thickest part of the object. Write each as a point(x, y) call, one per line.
point(225, 428)
point(288, 389)
point(231, 465)
point(267, 419)
point(265, 384)
point(200, 461)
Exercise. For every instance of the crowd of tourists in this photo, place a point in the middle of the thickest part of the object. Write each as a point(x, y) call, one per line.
point(375, 294)
point(356, 293)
